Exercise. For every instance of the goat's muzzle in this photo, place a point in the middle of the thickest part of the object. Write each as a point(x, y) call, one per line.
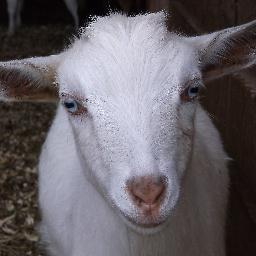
point(147, 194)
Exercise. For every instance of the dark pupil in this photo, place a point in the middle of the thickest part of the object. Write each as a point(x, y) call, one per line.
point(69, 104)
point(194, 90)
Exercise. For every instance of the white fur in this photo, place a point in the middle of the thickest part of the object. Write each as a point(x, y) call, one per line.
point(129, 73)
point(14, 8)
point(77, 220)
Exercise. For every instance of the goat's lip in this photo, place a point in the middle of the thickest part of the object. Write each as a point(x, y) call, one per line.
point(149, 223)
point(146, 225)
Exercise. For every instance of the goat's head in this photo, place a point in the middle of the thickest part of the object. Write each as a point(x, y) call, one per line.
point(129, 89)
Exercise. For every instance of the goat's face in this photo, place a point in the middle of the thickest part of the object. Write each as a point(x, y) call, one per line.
point(132, 113)
point(129, 88)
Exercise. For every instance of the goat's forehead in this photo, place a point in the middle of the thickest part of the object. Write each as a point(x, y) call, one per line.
point(141, 68)
point(122, 60)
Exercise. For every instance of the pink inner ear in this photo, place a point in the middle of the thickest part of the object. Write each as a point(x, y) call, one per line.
point(16, 85)
point(230, 53)
point(224, 66)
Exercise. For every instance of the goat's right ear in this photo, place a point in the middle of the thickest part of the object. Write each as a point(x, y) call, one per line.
point(29, 79)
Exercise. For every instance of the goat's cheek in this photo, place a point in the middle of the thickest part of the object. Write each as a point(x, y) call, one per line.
point(92, 165)
point(183, 154)
point(186, 121)
point(87, 148)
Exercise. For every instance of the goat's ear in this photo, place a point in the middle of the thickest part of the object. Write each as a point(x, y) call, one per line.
point(29, 79)
point(227, 51)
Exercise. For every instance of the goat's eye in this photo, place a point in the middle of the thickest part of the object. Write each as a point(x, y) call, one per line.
point(193, 91)
point(73, 106)
point(190, 93)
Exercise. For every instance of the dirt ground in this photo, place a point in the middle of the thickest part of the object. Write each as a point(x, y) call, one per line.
point(22, 131)
point(23, 127)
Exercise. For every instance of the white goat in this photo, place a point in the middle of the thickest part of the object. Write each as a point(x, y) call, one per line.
point(14, 8)
point(132, 164)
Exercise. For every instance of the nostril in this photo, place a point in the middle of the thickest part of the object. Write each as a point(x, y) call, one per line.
point(147, 190)
point(148, 194)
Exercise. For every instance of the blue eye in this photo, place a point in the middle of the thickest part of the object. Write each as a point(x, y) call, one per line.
point(193, 91)
point(189, 93)
point(73, 106)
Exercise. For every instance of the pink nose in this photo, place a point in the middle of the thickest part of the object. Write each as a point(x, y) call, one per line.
point(146, 190)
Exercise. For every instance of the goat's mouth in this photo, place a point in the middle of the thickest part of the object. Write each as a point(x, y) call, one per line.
point(144, 221)
point(148, 223)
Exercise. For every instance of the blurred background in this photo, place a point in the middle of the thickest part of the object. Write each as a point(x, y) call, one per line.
point(47, 27)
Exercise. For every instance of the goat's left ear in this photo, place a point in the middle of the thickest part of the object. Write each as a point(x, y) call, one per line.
point(29, 79)
point(226, 51)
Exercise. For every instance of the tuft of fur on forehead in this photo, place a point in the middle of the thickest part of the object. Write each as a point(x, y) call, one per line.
point(150, 26)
